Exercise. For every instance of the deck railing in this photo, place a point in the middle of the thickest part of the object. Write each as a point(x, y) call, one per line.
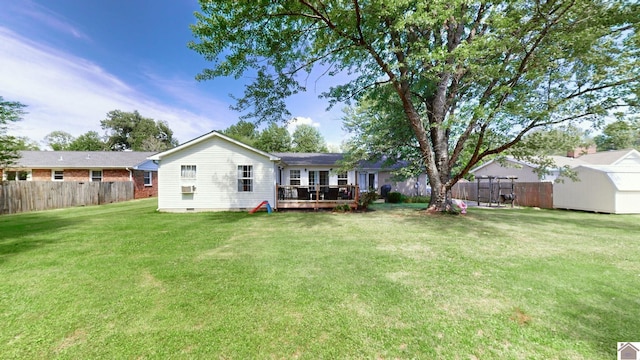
point(316, 196)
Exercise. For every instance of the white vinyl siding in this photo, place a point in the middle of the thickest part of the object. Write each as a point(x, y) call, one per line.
point(217, 162)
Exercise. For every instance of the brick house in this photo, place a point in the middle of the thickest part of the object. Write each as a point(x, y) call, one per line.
point(89, 166)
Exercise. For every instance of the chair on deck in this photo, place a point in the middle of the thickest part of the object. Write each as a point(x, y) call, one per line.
point(303, 193)
point(332, 194)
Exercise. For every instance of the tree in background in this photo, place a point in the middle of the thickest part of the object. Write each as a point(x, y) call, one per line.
point(306, 138)
point(58, 140)
point(274, 138)
point(619, 135)
point(473, 77)
point(131, 131)
point(10, 112)
point(89, 141)
point(26, 143)
point(243, 131)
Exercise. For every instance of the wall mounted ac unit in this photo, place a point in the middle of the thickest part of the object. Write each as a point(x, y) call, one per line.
point(188, 189)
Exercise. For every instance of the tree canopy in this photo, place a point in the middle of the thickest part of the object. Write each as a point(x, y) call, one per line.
point(619, 135)
point(58, 140)
point(306, 138)
point(131, 131)
point(10, 112)
point(472, 77)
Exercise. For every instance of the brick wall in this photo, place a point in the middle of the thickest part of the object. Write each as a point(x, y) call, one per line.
point(140, 190)
point(108, 175)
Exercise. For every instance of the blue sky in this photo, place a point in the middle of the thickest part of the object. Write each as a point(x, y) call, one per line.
point(72, 61)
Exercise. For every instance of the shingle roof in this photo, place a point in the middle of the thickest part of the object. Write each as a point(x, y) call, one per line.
point(605, 157)
point(81, 159)
point(310, 159)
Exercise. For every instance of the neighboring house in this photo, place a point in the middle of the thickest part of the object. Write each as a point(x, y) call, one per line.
point(525, 172)
point(214, 172)
point(81, 166)
point(608, 181)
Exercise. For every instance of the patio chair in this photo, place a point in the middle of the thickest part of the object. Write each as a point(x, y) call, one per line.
point(303, 193)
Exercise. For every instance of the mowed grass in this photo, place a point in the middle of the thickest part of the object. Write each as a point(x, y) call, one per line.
point(123, 281)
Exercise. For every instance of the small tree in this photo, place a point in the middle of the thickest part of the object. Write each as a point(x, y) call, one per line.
point(10, 112)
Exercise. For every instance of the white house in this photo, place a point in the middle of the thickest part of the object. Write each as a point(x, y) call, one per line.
point(214, 172)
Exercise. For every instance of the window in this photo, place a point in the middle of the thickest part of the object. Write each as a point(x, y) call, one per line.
point(17, 175)
point(57, 175)
point(245, 178)
point(342, 178)
point(148, 179)
point(188, 172)
point(96, 175)
point(294, 177)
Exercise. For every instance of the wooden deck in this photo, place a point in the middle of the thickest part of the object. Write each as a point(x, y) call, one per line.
point(318, 197)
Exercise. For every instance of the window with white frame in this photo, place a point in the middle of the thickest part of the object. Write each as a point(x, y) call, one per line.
point(148, 178)
point(342, 178)
point(188, 172)
point(294, 177)
point(18, 175)
point(245, 178)
point(96, 175)
point(57, 175)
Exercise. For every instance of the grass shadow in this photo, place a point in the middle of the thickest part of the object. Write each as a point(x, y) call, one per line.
point(20, 233)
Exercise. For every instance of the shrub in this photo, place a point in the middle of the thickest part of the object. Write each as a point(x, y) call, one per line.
point(417, 199)
point(366, 199)
point(394, 197)
point(342, 208)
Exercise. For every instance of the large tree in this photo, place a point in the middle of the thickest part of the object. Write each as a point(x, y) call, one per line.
point(10, 112)
point(131, 131)
point(243, 131)
point(59, 140)
point(465, 72)
point(306, 138)
point(619, 135)
point(274, 138)
point(89, 141)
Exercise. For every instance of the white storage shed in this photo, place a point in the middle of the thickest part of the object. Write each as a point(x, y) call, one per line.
point(611, 189)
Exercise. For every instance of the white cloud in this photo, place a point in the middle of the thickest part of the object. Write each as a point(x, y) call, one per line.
point(72, 94)
point(299, 120)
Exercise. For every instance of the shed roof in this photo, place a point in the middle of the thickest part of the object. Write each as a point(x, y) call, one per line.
point(624, 178)
point(81, 159)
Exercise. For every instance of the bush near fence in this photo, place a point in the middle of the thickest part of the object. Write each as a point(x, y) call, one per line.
point(24, 196)
point(532, 194)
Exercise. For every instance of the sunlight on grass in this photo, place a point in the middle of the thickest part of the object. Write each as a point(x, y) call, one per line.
point(123, 281)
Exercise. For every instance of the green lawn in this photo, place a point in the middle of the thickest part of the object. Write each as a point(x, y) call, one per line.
point(123, 281)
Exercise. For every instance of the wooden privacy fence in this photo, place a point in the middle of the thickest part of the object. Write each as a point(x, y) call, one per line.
point(533, 194)
point(24, 196)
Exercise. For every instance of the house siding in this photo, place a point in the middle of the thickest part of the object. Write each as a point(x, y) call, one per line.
point(216, 180)
point(410, 187)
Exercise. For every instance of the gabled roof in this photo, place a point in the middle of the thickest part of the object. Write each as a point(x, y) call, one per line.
point(310, 159)
point(208, 136)
point(600, 158)
point(612, 157)
point(81, 159)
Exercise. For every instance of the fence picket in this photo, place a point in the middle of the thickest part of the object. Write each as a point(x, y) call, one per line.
point(24, 196)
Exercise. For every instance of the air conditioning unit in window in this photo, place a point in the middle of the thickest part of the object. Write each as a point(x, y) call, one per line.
point(188, 189)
